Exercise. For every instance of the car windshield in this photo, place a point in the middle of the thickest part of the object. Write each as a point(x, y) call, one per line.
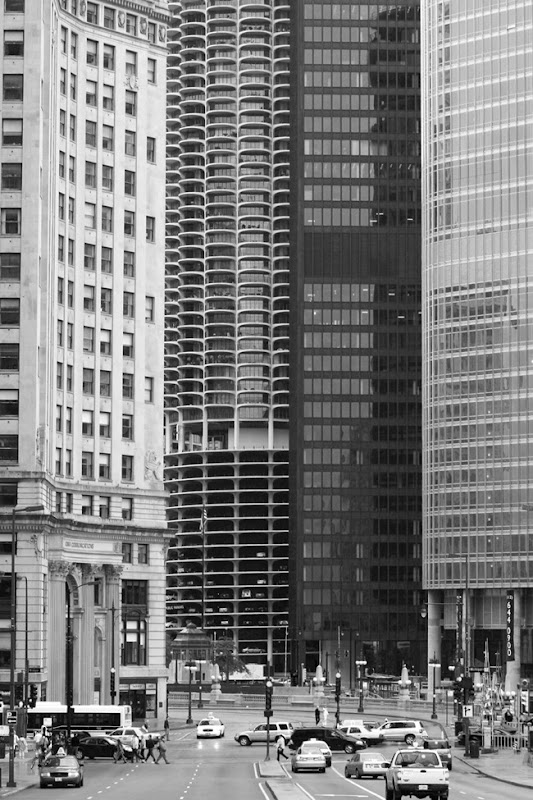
point(212, 721)
point(371, 757)
point(309, 751)
point(421, 759)
point(436, 744)
point(58, 761)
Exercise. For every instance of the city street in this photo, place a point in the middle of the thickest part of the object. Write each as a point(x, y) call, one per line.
point(224, 769)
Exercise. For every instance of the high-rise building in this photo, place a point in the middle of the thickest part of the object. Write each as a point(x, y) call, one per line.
point(478, 554)
point(355, 399)
point(81, 345)
point(227, 321)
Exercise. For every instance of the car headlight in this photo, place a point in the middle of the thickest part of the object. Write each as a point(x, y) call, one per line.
point(45, 774)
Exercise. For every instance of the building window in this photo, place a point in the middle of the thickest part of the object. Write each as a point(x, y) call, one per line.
point(107, 177)
point(135, 593)
point(148, 390)
point(127, 552)
point(150, 149)
point(58, 503)
point(104, 466)
point(127, 508)
point(70, 377)
point(92, 13)
point(14, 6)
point(129, 183)
point(109, 57)
point(127, 468)
point(62, 122)
point(60, 247)
point(90, 133)
point(11, 221)
point(108, 97)
point(72, 128)
point(61, 206)
point(9, 403)
point(129, 223)
point(88, 381)
point(13, 88)
point(58, 465)
point(70, 335)
point(73, 83)
point(88, 339)
point(130, 147)
point(68, 419)
point(8, 493)
point(74, 45)
point(61, 164)
point(9, 357)
point(150, 229)
point(106, 300)
point(131, 103)
point(151, 70)
point(90, 215)
point(88, 298)
point(9, 449)
point(109, 18)
point(70, 252)
point(105, 425)
point(89, 258)
point(131, 62)
point(90, 93)
point(12, 177)
point(107, 259)
point(131, 24)
point(69, 497)
point(10, 267)
point(71, 210)
point(127, 426)
point(87, 422)
point(129, 263)
point(12, 132)
point(127, 385)
point(72, 169)
point(105, 383)
point(14, 43)
point(90, 174)
point(10, 313)
point(59, 375)
point(127, 345)
point(128, 304)
point(142, 553)
point(104, 507)
point(70, 294)
point(107, 137)
point(87, 505)
point(149, 305)
point(60, 291)
point(151, 35)
point(107, 219)
point(105, 342)
point(60, 328)
point(92, 52)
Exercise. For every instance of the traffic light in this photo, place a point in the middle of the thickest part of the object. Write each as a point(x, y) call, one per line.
point(458, 690)
point(112, 682)
point(268, 698)
point(32, 701)
point(19, 694)
point(468, 690)
point(337, 686)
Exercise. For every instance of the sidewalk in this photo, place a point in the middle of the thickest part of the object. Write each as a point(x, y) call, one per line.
point(22, 774)
point(506, 766)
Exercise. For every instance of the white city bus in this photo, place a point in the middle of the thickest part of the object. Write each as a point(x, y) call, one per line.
point(83, 718)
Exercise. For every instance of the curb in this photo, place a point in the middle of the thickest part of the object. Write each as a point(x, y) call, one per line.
point(493, 777)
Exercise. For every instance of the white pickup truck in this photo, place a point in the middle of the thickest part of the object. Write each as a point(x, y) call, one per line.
point(418, 773)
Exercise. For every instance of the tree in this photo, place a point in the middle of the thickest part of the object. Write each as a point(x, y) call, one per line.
point(226, 659)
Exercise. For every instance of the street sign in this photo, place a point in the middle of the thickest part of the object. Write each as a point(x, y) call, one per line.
point(11, 717)
point(468, 711)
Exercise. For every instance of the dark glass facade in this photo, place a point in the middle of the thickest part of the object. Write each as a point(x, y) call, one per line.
point(356, 474)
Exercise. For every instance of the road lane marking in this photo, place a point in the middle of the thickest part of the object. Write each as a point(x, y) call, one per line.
point(354, 783)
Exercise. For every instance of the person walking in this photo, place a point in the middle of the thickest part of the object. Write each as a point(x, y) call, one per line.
point(280, 749)
point(317, 715)
point(119, 754)
point(150, 744)
point(135, 747)
point(167, 728)
point(162, 747)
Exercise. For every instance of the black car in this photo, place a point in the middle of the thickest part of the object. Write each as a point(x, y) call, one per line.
point(96, 747)
point(336, 740)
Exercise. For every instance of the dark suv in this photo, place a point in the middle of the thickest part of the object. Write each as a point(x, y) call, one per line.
point(336, 740)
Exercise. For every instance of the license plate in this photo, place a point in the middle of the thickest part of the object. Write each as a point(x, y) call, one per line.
point(423, 786)
point(57, 779)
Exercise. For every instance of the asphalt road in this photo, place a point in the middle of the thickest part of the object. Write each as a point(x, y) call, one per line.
point(223, 770)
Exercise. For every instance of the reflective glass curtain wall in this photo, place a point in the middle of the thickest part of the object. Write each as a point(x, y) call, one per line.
point(356, 359)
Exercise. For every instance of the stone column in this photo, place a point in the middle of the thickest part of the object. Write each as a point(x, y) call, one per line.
point(112, 631)
point(83, 627)
point(57, 627)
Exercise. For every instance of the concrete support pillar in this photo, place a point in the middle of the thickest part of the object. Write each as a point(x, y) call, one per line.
point(435, 605)
point(513, 668)
point(57, 572)
point(112, 632)
point(83, 619)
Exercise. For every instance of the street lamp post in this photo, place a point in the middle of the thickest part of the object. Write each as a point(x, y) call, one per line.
point(435, 665)
point(13, 630)
point(191, 666)
point(360, 664)
point(26, 651)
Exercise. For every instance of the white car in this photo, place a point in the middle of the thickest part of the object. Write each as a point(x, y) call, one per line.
point(358, 729)
point(316, 744)
point(210, 728)
point(126, 734)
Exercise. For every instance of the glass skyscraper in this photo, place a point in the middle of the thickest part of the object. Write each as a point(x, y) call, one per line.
point(355, 478)
point(478, 245)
